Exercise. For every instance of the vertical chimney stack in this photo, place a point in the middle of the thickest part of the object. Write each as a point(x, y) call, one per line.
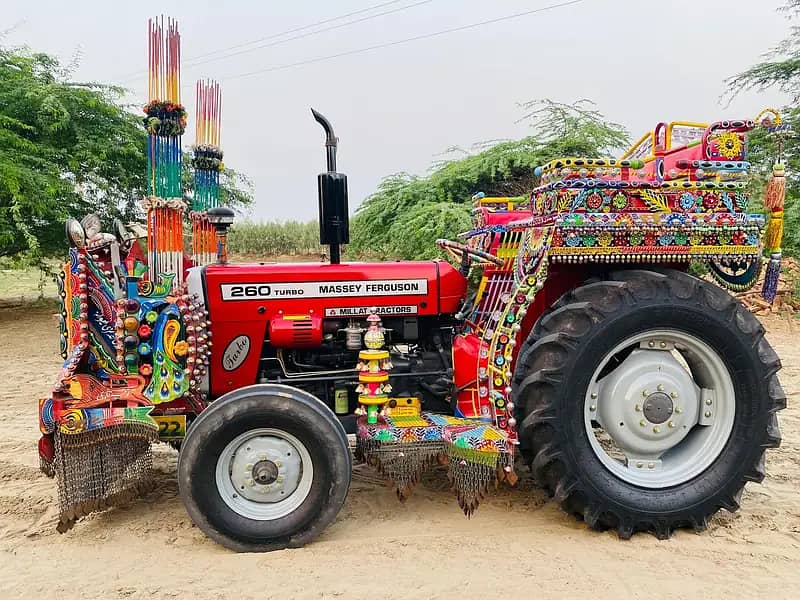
point(334, 221)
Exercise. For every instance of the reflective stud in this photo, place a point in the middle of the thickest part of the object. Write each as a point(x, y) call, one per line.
point(592, 408)
point(707, 413)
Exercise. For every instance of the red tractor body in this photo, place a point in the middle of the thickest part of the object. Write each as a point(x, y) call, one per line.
point(294, 306)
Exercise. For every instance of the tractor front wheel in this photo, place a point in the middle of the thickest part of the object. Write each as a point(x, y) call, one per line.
point(264, 468)
point(646, 401)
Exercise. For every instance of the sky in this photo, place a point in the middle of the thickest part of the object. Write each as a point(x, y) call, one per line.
point(399, 108)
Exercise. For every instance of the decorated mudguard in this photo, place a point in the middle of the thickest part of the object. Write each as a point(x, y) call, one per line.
point(678, 195)
point(123, 358)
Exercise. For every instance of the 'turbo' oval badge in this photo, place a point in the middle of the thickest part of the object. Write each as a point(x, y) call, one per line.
point(235, 353)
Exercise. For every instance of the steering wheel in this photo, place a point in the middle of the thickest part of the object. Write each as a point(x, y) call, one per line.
point(464, 254)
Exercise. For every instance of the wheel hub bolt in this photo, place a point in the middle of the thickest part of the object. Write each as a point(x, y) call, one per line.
point(656, 429)
point(645, 393)
point(670, 424)
point(638, 408)
point(673, 395)
point(660, 387)
point(643, 423)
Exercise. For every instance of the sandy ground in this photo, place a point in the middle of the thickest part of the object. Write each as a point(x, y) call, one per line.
point(518, 543)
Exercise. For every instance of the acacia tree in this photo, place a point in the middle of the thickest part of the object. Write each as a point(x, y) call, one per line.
point(67, 149)
point(780, 70)
point(407, 213)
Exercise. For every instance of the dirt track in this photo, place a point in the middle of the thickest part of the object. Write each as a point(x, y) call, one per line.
point(518, 544)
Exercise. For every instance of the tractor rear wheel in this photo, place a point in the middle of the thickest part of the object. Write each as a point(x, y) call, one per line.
point(646, 401)
point(264, 468)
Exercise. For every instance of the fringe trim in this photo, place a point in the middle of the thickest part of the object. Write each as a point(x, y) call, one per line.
point(101, 468)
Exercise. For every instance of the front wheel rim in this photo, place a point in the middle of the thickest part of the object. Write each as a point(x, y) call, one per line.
point(660, 408)
point(264, 474)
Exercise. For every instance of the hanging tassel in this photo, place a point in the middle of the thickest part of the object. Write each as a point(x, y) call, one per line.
point(770, 289)
point(776, 188)
point(773, 200)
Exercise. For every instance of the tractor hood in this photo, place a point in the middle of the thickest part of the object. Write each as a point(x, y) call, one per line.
point(260, 291)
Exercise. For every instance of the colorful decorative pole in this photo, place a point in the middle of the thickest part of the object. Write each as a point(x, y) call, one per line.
point(373, 364)
point(165, 123)
point(207, 164)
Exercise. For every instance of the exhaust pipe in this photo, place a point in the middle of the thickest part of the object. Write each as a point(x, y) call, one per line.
point(334, 220)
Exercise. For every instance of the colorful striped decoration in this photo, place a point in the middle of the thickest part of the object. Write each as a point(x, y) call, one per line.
point(209, 113)
point(164, 54)
point(165, 123)
point(207, 162)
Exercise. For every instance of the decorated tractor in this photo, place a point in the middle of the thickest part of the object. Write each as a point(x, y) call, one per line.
point(641, 397)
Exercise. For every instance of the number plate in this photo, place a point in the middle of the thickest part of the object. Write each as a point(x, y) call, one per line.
point(171, 427)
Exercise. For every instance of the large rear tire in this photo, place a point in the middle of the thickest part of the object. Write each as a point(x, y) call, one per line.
point(646, 401)
point(264, 468)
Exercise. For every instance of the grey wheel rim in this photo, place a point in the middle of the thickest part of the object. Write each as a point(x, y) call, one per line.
point(264, 474)
point(660, 408)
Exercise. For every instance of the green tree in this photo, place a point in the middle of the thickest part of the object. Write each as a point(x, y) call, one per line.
point(780, 70)
point(66, 149)
point(407, 213)
point(781, 66)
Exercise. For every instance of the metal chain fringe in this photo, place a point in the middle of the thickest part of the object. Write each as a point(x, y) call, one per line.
point(101, 468)
point(403, 464)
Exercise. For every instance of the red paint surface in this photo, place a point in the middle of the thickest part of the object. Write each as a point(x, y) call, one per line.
point(251, 317)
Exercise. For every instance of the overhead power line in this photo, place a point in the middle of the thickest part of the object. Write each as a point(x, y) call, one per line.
point(310, 33)
point(403, 41)
point(295, 30)
point(192, 60)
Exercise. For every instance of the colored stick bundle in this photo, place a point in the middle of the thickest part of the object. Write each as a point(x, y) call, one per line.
point(165, 123)
point(207, 162)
